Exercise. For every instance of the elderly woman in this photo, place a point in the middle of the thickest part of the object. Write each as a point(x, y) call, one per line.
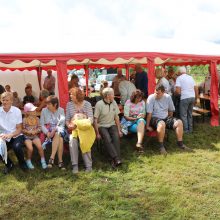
point(107, 125)
point(77, 106)
point(52, 122)
point(135, 111)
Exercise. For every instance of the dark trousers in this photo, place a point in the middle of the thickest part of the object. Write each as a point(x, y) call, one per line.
point(111, 141)
point(16, 145)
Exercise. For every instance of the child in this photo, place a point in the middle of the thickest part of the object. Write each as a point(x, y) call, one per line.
point(31, 129)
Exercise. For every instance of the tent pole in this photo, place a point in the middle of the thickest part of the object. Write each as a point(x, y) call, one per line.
point(151, 76)
point(127, 71)
point(62, 82)
point(39, 75)
point(86, 68)
point(214, 94)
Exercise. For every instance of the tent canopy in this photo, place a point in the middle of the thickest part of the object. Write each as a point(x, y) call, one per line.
point(63, 61)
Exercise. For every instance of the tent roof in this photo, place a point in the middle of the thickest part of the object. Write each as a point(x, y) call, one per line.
point(33, 60)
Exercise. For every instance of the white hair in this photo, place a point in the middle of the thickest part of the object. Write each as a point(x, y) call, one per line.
point(182, 69)
point(107, 91)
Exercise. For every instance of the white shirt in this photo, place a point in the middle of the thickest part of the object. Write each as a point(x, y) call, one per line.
point(9, 120)
point(186, 83)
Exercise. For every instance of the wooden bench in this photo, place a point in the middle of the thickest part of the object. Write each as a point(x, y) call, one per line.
point(201, 111)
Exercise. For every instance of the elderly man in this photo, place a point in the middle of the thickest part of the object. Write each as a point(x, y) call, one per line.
point(188, 91)
point(49, 82)
point(141, 80)
point(10, 130)
point(160, 110)
point(107, 125)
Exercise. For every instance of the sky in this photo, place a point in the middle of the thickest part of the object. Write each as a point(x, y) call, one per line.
point(50, 26)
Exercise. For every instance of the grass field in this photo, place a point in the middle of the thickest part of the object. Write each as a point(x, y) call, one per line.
point(149, 186)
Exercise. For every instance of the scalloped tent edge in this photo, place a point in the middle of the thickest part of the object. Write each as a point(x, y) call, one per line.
point(63, 61)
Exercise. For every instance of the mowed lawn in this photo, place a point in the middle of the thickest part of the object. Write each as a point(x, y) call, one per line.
point(149, 186)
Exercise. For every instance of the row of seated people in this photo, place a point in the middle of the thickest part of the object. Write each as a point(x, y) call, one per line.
point(84, 127)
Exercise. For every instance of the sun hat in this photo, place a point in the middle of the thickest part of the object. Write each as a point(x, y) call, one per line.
point(29, 107)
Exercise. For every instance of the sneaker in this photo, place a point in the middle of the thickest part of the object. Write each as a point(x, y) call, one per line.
point(44, 164)
point(75, 169)
point(185, 148)
point(50, 163)
point(163, 151)
point(88, 169)
point(29, 164)
point(61, 166)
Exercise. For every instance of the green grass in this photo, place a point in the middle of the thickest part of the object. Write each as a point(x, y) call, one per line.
point(150, 186)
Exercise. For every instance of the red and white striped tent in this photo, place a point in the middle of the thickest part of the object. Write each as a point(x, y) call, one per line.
point(61, 62)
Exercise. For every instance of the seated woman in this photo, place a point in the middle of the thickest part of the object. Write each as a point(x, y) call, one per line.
point(74, 107)
point(52, 122)
point(135, 111)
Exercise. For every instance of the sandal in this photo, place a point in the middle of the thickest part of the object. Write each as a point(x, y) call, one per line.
point(61, 166)
point(50, 163)
point(139, 148)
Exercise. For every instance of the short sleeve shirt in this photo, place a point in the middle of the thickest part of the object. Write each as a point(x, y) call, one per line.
point(9, 120)
point(106, 113)
point(133, 110)
point(160, 107)
point(186, 83)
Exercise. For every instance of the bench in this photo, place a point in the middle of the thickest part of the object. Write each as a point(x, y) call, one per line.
point(201, 111)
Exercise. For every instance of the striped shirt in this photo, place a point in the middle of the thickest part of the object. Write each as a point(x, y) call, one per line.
point(86, 109)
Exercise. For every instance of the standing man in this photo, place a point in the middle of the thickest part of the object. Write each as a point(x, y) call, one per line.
point(115, 84)
point(107, 125)
point(160, 110)
point(141, 80)
point(10, 130)
point(126, 88)
point(49, 82)
point(188, 91)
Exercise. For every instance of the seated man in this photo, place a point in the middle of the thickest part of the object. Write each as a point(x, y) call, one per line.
point(10, 130)
point(107, 125)
point(29, 97)
point(160, 110)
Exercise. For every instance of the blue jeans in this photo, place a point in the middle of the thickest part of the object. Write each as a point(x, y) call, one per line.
point(186, 109)
point(16, 144)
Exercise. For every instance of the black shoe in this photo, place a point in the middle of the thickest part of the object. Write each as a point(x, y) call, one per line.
point(118, 163)
point(24, 167)
point(8, 169)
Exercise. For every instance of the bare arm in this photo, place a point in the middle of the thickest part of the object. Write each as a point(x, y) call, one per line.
point(117, 122)
point(196, 92)
point(13, 134)
point(149, 116)
point(170, 114)
point(95, 123)
point(178, 90)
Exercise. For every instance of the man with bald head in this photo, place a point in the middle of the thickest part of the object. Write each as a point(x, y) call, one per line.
point(141, 79)
point(49, 82)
